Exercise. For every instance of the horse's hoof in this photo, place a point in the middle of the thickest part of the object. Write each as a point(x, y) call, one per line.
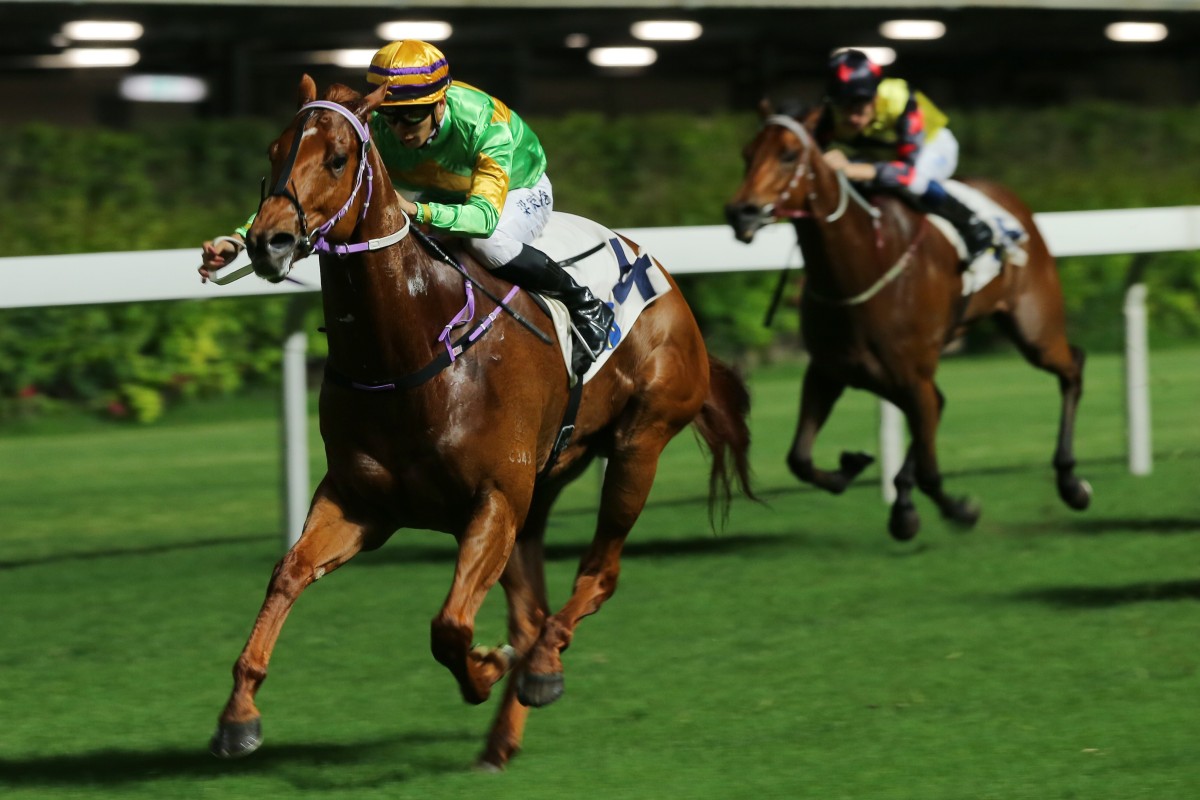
point(236, 739)
point(536, 691)
point(488, 767)
point(904, 522)
point(854, 463)
point(1075, 492)
point(964, 512)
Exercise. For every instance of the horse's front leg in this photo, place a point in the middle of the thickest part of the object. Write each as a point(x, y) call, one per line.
point(328, 541)
point(924, 411)
point(483, 550)
point(821, 391)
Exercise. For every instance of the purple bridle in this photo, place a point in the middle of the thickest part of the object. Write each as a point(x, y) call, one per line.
point(316, 241)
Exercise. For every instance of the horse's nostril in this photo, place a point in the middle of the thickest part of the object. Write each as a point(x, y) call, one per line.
point(281, 243)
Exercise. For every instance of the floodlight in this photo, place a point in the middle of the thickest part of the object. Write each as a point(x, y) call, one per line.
point(426, 30)
point(622, 57)
point(665, 30)
point(163, 88)
point(1136, 31)
point(912, 29)
point(93, 30)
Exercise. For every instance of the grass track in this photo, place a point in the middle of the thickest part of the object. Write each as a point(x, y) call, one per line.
point(799, 653)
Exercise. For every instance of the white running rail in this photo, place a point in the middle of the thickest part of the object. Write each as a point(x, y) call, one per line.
point(150, 275)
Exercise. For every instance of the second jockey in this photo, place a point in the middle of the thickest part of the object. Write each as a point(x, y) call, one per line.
point(883, 133)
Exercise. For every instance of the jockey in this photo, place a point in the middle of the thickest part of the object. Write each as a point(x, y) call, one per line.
point(475, 170)
point(882, 132)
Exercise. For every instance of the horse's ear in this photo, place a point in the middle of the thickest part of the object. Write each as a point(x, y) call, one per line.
point(811, 117)
point(371, 102)
point(765, 109)
point(307, 92)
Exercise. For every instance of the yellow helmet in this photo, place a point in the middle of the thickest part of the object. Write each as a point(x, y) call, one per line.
point(415, 72)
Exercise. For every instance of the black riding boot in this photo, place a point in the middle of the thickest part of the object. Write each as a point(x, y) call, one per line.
point(534, 270)
point(976, 233)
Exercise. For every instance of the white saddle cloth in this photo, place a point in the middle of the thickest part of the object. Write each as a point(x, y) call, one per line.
point(1006, 229)
point(626, 278)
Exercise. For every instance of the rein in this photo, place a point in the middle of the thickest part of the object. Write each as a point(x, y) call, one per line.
point(846, 190)
point(887, 277)
point(846, 193)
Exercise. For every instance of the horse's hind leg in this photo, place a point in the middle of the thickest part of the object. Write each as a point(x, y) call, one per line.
point(329, 540)
point(627, 480)
point(821, 391)
point(524, 583)
point(1046, 347)
point(483, 550)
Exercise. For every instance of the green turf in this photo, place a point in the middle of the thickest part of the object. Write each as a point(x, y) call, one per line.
point(799, 653)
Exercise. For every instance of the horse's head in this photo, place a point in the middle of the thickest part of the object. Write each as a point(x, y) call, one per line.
point(779, 173)
point(317, 171)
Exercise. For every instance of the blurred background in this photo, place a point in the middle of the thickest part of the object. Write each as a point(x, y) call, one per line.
point(143, 126)
point(233, 59)
point(795, 653)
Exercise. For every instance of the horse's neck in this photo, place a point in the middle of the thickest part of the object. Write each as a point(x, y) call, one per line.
point(839, 239)
point(385, 308)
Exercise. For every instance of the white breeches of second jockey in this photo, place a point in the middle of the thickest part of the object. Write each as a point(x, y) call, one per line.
point(525, 214)
point(937, 161)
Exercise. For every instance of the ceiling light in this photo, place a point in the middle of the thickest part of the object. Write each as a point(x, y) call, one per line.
point(163, 88)
point(90, 30)
point(356, 58)
point(662, 30)
point(91, 57)
point(1136, 31)
point(576, 40)
point(912, 29)
point(622, 57)
point(429, 30)
point(879, 55)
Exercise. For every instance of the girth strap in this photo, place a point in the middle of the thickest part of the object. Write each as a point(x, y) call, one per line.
point(565, 430)
point(413, 379)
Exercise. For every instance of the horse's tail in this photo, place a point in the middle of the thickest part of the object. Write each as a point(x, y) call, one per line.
point(722, 423)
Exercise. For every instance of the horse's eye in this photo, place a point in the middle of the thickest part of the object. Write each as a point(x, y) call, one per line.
point(789, 156)
point(338, 162)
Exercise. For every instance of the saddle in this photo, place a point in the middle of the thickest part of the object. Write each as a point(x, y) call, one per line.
point(1008, 235)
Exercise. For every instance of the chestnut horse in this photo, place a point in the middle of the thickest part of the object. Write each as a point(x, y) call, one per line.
point(461, 451)
point(882, 296)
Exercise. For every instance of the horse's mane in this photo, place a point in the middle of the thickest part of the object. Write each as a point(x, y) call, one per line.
point(340, 93)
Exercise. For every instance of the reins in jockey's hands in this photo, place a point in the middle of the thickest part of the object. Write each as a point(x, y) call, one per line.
point(859, 172)
point(217, 253)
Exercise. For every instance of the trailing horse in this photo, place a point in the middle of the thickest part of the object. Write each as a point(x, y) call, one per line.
point(883, 294)
point(460, 435)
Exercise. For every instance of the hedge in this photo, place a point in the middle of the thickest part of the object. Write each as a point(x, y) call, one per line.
point(70, 190)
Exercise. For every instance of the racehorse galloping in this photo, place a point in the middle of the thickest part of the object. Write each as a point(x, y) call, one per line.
point(882, 296)
point(461, 451)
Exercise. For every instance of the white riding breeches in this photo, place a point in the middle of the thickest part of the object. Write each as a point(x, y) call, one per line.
point(525, 214)
point(937, 160)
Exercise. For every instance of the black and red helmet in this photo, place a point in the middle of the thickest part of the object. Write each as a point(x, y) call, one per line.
point(852, 77)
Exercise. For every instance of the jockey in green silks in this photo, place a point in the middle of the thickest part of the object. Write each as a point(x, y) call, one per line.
point(468, 166)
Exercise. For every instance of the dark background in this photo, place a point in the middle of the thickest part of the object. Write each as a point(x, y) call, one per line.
point(252, 57)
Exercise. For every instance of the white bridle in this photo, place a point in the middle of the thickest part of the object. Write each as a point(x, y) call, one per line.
point(846, 191)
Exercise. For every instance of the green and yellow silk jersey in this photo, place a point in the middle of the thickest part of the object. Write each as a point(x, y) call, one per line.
point(463, 175)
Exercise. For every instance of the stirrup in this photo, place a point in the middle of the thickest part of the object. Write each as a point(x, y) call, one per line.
point(582, 341)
